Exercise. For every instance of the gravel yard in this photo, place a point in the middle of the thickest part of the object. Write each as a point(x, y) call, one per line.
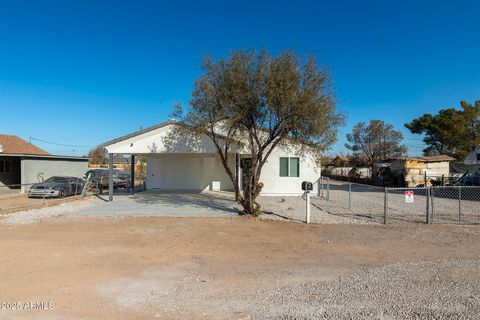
point(15, 202)
point(238, 268)
point(293, 209)
point(415, 290)
point(365, 204)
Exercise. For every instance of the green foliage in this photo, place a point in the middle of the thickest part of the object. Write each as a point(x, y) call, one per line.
point(377, 141)
point(452, 132)
point(262, 101)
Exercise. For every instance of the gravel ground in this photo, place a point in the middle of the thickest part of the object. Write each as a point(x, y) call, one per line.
point(54, 210)
point(239, 268)
point(418, 290)
point(293, 209)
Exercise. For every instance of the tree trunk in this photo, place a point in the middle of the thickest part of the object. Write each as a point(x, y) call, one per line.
point(250, 194)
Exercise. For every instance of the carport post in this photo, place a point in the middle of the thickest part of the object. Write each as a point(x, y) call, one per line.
point(110, 177)
point(132, 174)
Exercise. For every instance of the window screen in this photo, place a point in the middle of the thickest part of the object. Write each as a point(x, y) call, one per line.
point(283, 167)
point(294, 167)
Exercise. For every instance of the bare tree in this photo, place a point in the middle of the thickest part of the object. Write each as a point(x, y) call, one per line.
point(377, 141)
point(256, 102)
point(97, 155)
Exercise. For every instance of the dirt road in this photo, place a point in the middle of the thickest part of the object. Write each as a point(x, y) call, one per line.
point(236, 268)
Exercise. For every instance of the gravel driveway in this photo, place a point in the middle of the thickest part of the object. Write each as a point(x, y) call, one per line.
point(417, 290)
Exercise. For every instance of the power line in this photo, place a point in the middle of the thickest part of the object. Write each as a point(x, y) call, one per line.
point(60, 144)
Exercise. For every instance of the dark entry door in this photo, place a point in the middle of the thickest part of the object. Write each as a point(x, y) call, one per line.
point(245, 164)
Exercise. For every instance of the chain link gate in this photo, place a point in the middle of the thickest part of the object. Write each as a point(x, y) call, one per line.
point(407, 204)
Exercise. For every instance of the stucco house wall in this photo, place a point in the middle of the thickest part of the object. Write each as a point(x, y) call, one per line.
point(176, 162)
point(34, 168)
point(274, 184)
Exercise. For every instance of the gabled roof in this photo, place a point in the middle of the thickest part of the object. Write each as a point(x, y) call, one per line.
point(439, 158)
point(139, 132)
point(14, 145)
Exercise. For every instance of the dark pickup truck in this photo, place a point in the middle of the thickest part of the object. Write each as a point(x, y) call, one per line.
point(101, 179)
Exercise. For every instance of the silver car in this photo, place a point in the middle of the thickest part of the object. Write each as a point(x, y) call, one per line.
point(57, 187)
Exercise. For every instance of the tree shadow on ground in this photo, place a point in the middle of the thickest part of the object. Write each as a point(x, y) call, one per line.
point(195, 200)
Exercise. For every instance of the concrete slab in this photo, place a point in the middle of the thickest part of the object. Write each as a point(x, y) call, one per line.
point(151, 203)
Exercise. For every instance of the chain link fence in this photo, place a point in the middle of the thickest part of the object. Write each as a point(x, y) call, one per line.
point(15, 197)
point(459, 204)
point(350, 200)
point(451, 204)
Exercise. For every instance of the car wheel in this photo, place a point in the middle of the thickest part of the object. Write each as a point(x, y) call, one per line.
point(62, 193)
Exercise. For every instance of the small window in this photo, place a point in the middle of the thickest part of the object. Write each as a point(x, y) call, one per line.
point(283, 167)
point(294, 167)
point(478, 156)
point(289, 167)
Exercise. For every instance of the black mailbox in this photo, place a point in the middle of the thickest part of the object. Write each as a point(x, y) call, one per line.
point(307, 186)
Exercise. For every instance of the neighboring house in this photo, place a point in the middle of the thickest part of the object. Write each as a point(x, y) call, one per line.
point(343, 166)
point(473, 158)
point(187, 165)
point(419, 171)
point(22, 163)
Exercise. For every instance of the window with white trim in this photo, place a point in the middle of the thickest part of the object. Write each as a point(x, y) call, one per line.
point(289, 167)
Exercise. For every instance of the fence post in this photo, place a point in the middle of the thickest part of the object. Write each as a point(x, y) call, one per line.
point(459, 203)
point(328, 189)
point(349, 196)
point(385, 208)
point(432, 197)
point(428, 204)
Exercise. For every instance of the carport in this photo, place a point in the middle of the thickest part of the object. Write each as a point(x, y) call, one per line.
point(174, 164)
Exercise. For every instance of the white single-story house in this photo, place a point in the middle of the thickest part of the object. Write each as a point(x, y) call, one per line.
point(22, 164)
point(183, 166)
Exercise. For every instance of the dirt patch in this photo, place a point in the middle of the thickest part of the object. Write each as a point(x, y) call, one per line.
point(218, 268)
point(21, 202)
point(50, 209)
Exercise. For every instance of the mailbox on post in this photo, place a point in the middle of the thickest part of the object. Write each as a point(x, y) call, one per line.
point(307, 186)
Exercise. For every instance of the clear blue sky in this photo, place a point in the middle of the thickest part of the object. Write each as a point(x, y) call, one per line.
point(83, 72)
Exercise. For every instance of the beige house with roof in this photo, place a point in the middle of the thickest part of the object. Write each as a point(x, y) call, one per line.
point(22, 164)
